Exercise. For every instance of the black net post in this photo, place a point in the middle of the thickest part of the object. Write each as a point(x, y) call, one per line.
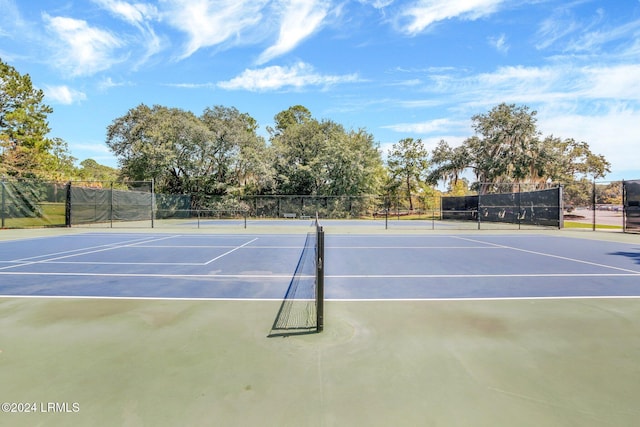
point(67, 205)
point(320, 280)
point(560, 207)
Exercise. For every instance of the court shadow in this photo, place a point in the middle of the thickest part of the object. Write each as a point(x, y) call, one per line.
point(632, 255)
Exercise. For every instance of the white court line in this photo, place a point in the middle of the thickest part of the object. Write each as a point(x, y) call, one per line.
point(80, 253)
point(71, 251)
point(474, 276)
point(155, 275)
point(549, 255)
point(337, 276)
point(410, 247)
point(228, 252)
point(363, 300)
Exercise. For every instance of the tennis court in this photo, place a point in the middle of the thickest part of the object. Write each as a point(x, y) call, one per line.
point(421, 328)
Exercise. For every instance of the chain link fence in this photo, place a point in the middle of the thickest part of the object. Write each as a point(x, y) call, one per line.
point(580, 205)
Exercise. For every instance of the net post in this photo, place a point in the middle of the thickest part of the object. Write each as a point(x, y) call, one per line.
point(320, 280)
point(67, 205)
point(560, 207)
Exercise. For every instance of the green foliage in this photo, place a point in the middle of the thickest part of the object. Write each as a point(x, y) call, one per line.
point(215, 154)
point(314, 157)
point(90, 170)
point(507, 149)
point(407, 164)
point(25, 150)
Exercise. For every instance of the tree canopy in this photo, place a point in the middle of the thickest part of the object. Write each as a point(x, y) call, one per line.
point(407, 163)
point(314, 157)
point(507, 148)
point(25, 149)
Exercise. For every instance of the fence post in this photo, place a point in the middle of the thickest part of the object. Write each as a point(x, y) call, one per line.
point(560, 207)
point(593, 205)
point(153, 199)
point(519, 213)
point(624, 207)
point(479, 205)
point(2, 211)
point(67, 205)
point(111, 206)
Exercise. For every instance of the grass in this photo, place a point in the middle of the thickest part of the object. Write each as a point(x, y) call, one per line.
point(53, 214)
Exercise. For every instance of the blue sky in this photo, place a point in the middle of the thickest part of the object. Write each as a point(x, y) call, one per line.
point(419, 68)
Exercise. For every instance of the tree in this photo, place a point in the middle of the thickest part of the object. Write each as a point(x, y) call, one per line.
point(408, 164)
point(239, 154)
point(25, 150)
point(314, 157)
point(449, 163)
point(507, 149)
point(211, 155)
point(147, 141)
point(90, 170)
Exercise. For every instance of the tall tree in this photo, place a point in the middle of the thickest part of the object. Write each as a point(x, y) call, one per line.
point(238, 152)
point(25, 150)
point(213, 154)
point(314, 157)
point(507, 149)
point(408, 163)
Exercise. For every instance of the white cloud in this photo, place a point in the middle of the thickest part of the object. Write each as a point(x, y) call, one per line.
point(612, 132)
point(135, 14)
point(272, 78)
point(595, 40)
point(210, 23)
point(10, 18)
point(378, 4)
point(423, 13)
point(555, 28)
point(300, 19)
point(81, 49)
point(108, 83)
point(499, 43)
point(620, 82)
point(140, 15)
point(64, 95)
point(422, 128)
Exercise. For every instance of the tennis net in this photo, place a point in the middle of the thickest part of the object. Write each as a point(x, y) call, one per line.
point(302, 310)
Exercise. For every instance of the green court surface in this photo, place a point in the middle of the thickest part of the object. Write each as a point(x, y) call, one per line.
point(108, 362)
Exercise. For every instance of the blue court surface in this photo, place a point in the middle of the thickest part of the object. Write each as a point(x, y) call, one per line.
point(359, 267)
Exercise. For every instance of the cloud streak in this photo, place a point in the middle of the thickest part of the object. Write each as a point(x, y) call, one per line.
point(300, 19)
point(424, 13)
point(211, 23)
point(276, 78)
